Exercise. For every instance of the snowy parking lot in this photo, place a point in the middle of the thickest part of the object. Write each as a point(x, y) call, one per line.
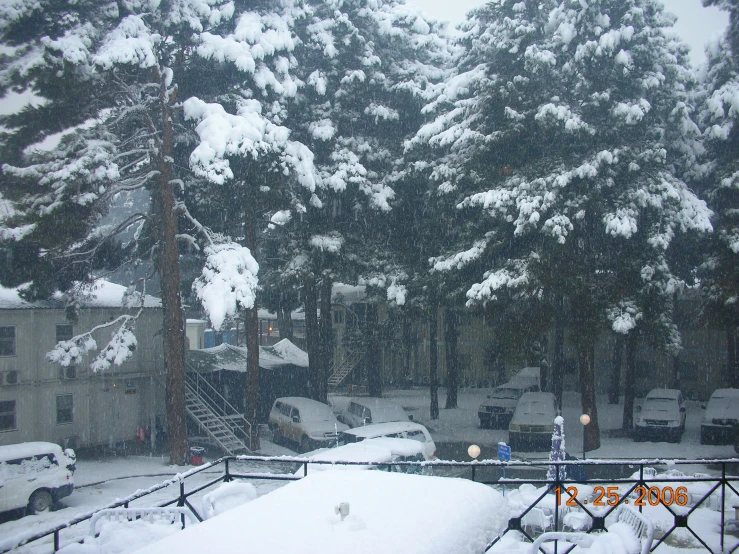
point(102, 482)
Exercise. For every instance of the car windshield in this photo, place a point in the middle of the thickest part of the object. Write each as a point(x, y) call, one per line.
point(539, 408)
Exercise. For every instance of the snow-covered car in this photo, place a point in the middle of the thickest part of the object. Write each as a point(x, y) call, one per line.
point(340, 512)
point(497, 410)
point(532, 423)
point(35, 475)
point(720, 417)
point(661, 415)
point(309, 423)
point(363, 411)
point(382, 450)
point(396, 429)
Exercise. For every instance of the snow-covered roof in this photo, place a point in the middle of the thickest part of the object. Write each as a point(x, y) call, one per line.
point(296, 315)
point(347, 294)
point(233, 358)
point(663, 393)
point(103, 294)
point(372, 402)
point(388, 512)
point(382, 429)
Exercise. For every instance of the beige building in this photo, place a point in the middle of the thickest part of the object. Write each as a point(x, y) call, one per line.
point(698, 370)
point(74, 406)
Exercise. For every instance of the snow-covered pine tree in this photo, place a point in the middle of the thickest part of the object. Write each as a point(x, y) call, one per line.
point(111, 74)
point(364, 65)
point(560, 125)
point(719, 115)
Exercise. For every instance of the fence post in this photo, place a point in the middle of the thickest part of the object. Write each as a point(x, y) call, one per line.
point(56, 540)
point(227, 477)
point(181, 499)
point(723, 502)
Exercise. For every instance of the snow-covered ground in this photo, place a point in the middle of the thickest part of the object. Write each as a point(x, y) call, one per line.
point(102, 482)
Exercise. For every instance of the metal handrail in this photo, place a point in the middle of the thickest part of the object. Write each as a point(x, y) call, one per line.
point(228, 413)
point(721, 482)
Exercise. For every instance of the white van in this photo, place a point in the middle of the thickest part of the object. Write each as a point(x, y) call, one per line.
point(35, 475)
point(306, 422)
point(363, 411)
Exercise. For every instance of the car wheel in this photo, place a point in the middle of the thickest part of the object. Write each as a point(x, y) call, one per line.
point(40, 501)
point(276, 435)
point(304, 444)
point(676, 435)
point(638, 436)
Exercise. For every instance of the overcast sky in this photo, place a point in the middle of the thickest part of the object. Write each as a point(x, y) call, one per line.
point(695, 23)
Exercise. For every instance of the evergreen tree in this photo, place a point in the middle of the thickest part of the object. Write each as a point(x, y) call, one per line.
point(112, 75)
point(564, 124)
point(718, 117)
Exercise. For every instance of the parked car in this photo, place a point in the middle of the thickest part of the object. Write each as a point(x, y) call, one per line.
point(35, 475)
point(363, 411)
point(661, 415)
point(309, 423)
point(497, 410)
point(396, 429)
point(384, 451)
point(720, 417)
point(532, 423)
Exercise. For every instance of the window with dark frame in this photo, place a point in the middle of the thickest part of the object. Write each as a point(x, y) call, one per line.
point(64, 332)
point(7, 416)
point(7, 340)
point(64, 409)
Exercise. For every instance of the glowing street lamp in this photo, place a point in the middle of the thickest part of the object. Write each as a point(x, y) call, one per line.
point(584, 419)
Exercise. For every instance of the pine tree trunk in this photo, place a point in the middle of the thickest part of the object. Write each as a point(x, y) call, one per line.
point(311, 336)
point(285, 323)
point(406, 377)
point(251, 401)
point(629, 382)
point(374, 355)
point(434, 363)
point(614, 389)
point(558, 368)
point(452, 361)
point(326, 336)
point(586, 366)
point(732, 358)
point(168, 266)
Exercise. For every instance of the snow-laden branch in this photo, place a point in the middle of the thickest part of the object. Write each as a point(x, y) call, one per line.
point(228, 282)
point(118, 350)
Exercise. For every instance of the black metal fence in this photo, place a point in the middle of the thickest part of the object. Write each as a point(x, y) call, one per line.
point(594, 492)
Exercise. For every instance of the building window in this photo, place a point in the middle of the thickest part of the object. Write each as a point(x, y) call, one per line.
point(338, 317)
point(64, 409)
point(7, 416)
point(7, 340)
point(64, 332)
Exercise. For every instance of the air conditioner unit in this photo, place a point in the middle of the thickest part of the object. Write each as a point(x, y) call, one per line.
point(9, 378)
point(69, 372)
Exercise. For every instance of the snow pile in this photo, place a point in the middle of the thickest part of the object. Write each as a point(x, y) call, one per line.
point(388, 512)
point(227, 496)
point(118, 537)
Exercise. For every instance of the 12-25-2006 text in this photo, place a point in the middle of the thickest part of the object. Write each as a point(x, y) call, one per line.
point(609, 496)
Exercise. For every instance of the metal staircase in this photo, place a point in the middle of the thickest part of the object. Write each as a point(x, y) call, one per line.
point(216, 416)
point(344, 366)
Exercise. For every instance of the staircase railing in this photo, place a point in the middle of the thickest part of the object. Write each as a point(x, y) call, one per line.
point(344, 365)
point(221, 407)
